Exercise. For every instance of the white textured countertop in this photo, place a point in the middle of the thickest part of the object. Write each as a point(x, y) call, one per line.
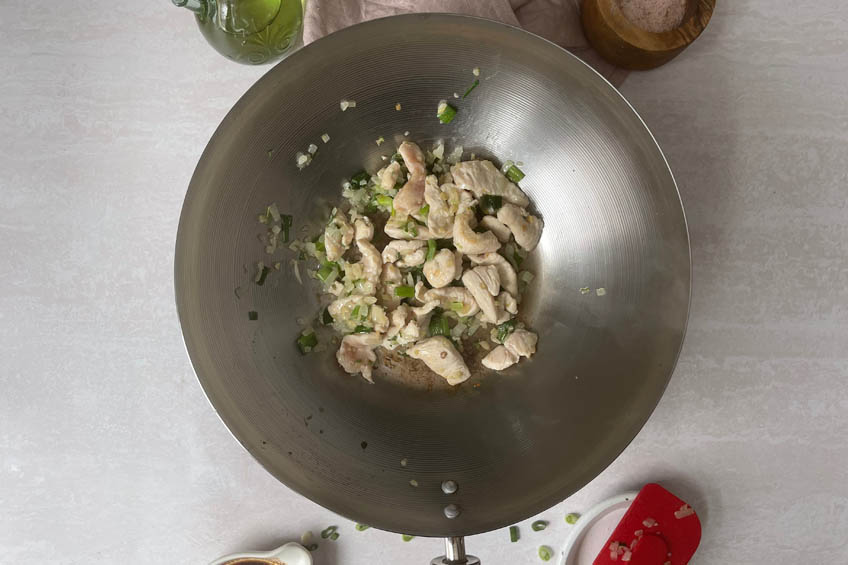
point(109, 451)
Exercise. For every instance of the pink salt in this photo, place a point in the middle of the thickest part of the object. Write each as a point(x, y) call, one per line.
point(655, 16)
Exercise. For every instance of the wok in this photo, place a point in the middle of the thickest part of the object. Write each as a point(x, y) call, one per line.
point(527, 437)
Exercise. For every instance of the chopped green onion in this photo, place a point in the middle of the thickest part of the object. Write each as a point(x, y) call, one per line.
point(326, 270)
point(407, 537)
point(355, 312)
point(439, 326)
point(505, 329)
point(319, 245)
point(356, 180)
point(385, 201)
point(411, 228)
point(545, 553)
point(361, 527)
point(312, 546)
point(263, 273)
point(307, 342)
point(404, 291)
point(287, 221)
point(446, 113)
point(518, 258)
point(362, 330)
point(514, 174)
point(424, 210)
point(326, 317)
point(397, 158)
point(431, 248)
point(539, 525)
point(470, 88)
point(572, 518)
point(253, 315)
point(334, 536)
point(329, 530)
point(457, 306)
point(491, 203)
point(513, 534)
point(585, 290)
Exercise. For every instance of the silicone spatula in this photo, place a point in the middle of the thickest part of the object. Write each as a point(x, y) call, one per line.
point(657, 529)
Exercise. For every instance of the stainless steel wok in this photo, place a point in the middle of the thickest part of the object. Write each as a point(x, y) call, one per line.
point(527, 437)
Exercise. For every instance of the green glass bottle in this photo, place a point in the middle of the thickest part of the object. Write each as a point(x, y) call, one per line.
point(252, 32)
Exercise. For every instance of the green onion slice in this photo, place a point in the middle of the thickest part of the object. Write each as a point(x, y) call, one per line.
point(361, 527)
point(307, 342)
point(253, 315)
point(470, 88)
point(513, 534)
point(514, 174)
point(545, 553)
point(431, 248)
point(491, 203)
point(539, 525)
point(446, 114)
point(404, 291)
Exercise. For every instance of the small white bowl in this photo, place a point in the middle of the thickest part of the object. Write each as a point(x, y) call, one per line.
point(593, 529)
point(289, 554)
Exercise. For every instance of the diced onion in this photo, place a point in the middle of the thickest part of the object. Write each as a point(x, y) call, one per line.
point(312, 148)
point(325, 138)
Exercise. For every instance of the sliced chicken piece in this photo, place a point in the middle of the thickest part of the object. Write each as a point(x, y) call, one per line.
point(399, 227)
point(440, 270)
point(458, 263)
point(446, 178)
point(507, 306)
point(439, 218)
point(389, 175)
point(410, 198)
point(363, 228)
point(356, 353)
point(439, 354)
point(509, 280)
point(526, 229)
point(337, 236)
point(450, 296)
point(489, 276)
point(397, 320)
point(522, 343)
point(497, 227)
point(413, 158)
point(372, 262)
point(482, 177)
point(357, 310)
point(499, 359)
point(420, 290)
point(470, 242)
point(478, 288)
point(389, 279)
point(405, 253)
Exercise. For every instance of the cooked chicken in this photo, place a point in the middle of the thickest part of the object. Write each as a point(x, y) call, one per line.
point(372, 263)
point(489, 276)
point(440, 270)
point(410, 198)
point(356, 353)
point(405, 253)
point(482, 177)
point(507, 306)
point(509, 280)
point(439, 217)
point(399, 227)
point(439, 354)
point(413, 158)
point(499, 358)
point(497, 227)
point(389, 175)
point(470, 242)
point(390, 278)
point(363, 228)
point(479, 289)
point(458, 262)
point(337, 236)
point(450, 296)
point(356, 310)
point(522, 343)
point(526, 229)
point(408, 325)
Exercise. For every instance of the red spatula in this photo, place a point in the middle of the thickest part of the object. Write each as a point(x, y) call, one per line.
point(658, 529)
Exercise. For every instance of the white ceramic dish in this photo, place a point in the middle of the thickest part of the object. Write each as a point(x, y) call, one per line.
point(289, 554)
point(593, 529)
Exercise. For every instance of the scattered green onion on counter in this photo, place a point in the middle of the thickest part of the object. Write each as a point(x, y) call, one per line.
point(513, 534)
point(539, 525)
point(572, 518)
point(361, 527)
point(545, 553)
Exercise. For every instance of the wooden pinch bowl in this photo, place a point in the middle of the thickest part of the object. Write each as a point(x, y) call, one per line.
point(623, 44)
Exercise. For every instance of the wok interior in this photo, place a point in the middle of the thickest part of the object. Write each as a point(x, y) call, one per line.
point(527, 437)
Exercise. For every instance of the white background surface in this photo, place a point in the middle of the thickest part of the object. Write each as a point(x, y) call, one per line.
point(109, 451)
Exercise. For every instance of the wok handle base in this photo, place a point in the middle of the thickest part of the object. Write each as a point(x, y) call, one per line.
point(455, 554)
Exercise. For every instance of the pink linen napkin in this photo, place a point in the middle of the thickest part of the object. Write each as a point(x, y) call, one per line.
point(555, 20)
